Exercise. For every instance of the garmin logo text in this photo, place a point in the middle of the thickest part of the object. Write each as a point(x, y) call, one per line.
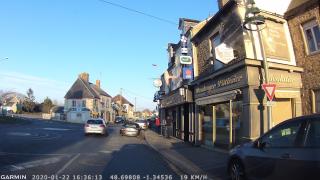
point(15, 177)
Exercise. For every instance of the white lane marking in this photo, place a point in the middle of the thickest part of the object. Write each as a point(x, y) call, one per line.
point(31, 164)
point(68, 164)
point(56, 129)
point(19, 134)
point(31, 154)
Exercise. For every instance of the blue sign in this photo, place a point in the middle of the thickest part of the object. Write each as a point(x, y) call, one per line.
point(187, 72)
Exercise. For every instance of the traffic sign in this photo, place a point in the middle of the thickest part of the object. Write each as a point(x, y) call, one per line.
point(269, 89)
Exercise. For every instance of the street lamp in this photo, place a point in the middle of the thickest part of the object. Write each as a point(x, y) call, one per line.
point(3, 59)
point(253, 17)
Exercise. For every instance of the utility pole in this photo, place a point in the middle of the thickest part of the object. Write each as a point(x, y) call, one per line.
point(120, 101)
point(135, 104)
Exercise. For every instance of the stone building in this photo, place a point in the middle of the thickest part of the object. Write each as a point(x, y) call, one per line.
point(304, 18)
point(230, 104)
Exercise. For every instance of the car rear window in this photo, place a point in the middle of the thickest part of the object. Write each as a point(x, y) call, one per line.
point(94, 122)
point(132, 125)
point(141, 121)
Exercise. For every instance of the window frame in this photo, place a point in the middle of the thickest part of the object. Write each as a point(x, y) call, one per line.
point(74, 103)
point(307, 131)
point(309, 25)
point(298, 141)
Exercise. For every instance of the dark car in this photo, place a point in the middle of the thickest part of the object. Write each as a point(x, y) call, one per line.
point(290, 150)
point(130, 129)
point(119, 120)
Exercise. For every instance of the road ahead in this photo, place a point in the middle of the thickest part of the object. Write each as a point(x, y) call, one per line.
point(55, 148)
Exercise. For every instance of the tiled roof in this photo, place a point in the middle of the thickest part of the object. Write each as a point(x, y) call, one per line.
point(123, 100)
point(81, 89)
point(99, 90)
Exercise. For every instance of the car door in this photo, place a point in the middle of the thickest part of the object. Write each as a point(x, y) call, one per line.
point(262, 161)
point(310, 158)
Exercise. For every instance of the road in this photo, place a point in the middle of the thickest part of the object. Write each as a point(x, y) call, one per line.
point(58, 149)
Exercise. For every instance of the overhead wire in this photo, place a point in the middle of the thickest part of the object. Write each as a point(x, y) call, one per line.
point(139, 12)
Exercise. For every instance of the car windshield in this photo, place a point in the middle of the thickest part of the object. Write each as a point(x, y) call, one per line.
point(94, 121)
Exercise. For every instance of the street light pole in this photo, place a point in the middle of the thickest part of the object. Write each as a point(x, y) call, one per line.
point(253, 16)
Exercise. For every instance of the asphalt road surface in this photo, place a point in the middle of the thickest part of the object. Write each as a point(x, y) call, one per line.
point(46, 149)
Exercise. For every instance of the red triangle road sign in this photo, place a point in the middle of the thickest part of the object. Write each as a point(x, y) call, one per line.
point(269, 89)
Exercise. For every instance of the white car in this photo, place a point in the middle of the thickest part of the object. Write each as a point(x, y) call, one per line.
point(95, 126)
point(143, 124)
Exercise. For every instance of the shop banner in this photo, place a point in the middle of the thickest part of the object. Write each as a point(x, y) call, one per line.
point(187, 73)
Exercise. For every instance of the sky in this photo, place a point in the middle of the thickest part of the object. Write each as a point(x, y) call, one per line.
point(50, 42)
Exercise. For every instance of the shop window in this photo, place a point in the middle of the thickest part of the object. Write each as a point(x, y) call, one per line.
point(312, 36)
point(84, 103)
point(207, 128)
point(223, 122)
point(317, 101)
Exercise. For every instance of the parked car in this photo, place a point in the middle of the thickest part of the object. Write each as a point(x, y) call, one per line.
point(119, 120)
point(143, 124)
point(130, 129)
point(95, 126)
point(290, 150)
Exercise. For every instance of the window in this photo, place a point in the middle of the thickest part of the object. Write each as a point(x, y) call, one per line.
point(312, 36)
point(283, 136)
point(313, 136)
point(84, 103)
point(317, 101)
point(215, 41)
point(74, 103)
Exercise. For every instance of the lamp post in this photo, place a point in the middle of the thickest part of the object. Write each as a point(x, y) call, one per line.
point(253, 17)
point(3, 59)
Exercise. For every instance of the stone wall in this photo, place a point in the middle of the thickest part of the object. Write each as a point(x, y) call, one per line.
point(310, 62)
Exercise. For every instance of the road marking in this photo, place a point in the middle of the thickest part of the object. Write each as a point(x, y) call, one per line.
point(31, 164)
point(19, 134)
point(56, 129)
point(31, 154)
point(68, 164)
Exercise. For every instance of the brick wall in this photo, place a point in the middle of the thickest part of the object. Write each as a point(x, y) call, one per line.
point(203, 56)
point(310, 63)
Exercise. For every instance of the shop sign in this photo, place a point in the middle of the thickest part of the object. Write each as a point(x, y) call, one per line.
point(157, 83)
point(172, 100)
point(224, 53)
point(212, 87)
point(185, 59)
point(184, 50)
point(187, 73)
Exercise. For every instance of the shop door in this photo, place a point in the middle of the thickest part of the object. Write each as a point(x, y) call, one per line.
point(174, 125)
point(186, 122)
point(282, 110)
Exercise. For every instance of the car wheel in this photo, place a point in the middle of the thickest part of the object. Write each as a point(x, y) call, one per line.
point(236, 170)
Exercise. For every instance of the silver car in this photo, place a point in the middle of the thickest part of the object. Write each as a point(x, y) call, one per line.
point(143, 124)
point(130, 129)
point(95, 126)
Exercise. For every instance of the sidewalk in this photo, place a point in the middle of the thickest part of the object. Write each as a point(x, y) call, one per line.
point(189, 159)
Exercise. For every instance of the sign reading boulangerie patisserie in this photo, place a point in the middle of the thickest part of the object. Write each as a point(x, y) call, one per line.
point(217, 85)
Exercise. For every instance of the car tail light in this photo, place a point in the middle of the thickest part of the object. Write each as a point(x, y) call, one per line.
point(87, 125)
point(101, 125)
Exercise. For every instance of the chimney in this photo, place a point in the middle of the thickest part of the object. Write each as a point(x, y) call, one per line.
point(84, 76)
point(221, 3)
point(98, 83)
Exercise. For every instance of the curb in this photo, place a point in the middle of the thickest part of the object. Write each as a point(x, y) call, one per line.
point(184, 168)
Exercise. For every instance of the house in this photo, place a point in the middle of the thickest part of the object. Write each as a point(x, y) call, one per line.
point(57, 113)
point(230, 104)
point(12, 102)
point(85, 99)
point(303, 18)
point(123, 106)
point(176, 100)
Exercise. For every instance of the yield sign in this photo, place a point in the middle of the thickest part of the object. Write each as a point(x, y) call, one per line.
point(269, 89)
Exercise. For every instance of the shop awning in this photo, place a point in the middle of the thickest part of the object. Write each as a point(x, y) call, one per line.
point(221, 97)
point(287, 94)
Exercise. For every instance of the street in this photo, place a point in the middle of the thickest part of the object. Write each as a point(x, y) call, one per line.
point(58, 149)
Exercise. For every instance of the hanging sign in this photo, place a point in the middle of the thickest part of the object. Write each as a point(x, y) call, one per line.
point(187, 73)
point(185, 59)
point(224, 53)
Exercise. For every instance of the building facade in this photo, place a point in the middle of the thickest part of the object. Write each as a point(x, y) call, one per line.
point(85, 99)
point(304, 18)
point(123, 107)
point(230, 104)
